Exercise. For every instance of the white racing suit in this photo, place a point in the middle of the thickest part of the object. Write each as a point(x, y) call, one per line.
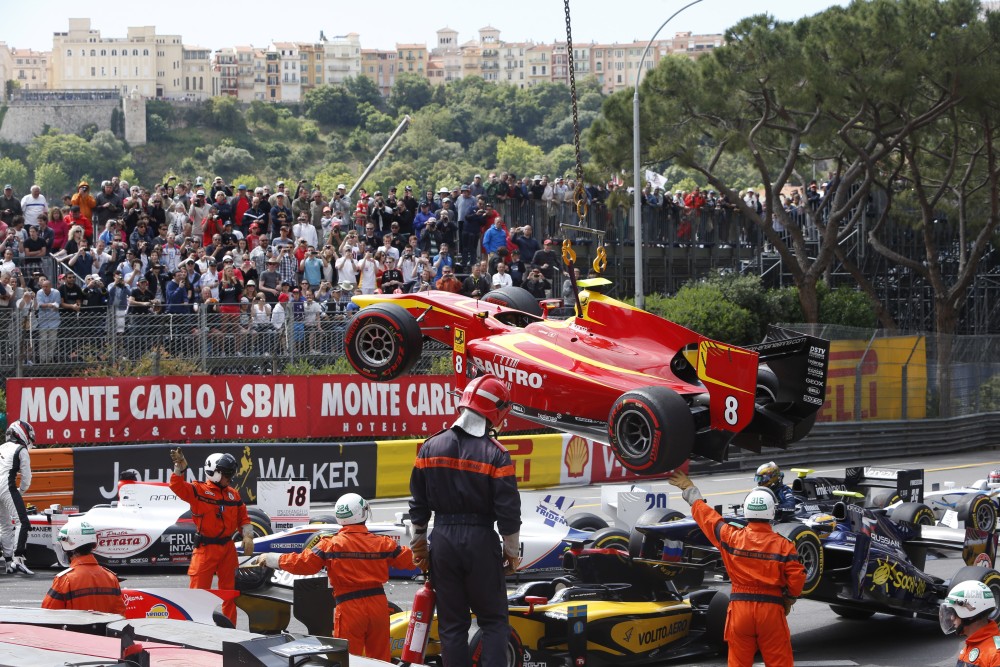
point(14, 459)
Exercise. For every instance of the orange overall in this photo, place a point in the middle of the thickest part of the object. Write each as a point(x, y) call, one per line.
point(85, 586)
point(218, 513)
point(764, 569)
point(357, 563)
point(982, 648)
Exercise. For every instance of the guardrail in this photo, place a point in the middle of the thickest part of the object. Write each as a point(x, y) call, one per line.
point(866, 441)
point(51, 477)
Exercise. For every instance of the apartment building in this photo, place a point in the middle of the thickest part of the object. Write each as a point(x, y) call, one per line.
point(30, 69)
point(341, 58)
point(380, 67)
point(411, 58)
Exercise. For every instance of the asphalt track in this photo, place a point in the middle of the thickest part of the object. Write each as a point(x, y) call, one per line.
point(819, 637)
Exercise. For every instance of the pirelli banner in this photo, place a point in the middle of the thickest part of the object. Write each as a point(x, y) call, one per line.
point(883, 379)
point(237, 407)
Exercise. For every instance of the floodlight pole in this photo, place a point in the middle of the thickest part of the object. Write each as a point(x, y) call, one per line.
point(640, 298)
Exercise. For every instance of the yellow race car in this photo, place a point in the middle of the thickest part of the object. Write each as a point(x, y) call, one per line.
point(609, 608)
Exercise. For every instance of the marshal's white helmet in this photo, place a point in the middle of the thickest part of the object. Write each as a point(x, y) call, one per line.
point(217, 465)
point(76, 533)
point(965, 601)
point(352, 508)
point(759, 504)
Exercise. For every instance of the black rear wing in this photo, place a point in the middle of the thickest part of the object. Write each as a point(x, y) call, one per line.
point(791, 389)
point(908, 483)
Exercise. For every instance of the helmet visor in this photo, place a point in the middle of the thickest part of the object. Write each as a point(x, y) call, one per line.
point(949, 620)
point(762, 479)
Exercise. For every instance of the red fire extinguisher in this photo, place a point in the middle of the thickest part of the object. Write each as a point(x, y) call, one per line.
point(418, 631)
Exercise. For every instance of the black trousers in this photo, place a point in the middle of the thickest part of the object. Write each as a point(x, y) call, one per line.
point(467, 571)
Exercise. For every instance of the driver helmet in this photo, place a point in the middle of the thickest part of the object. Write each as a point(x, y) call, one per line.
point(769, 475)
point(218, 465)
point(994, 477)
point(352, 508)
point(823, 523)
point(966, 603)
point(21, 432)
point(759, 504)
point(130, 475)
point(76, 533)
point(487, 396)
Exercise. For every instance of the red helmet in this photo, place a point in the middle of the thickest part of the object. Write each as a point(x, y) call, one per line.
point(489, 397)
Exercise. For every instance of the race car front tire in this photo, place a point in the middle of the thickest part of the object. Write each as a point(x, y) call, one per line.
point(515, 649)
point(916, 514)
point(383, 342)
point(986, 575)
point(251, 578)
point(610, 538)
point(260, 522)
point(978, 511)
point(810, 552)
point(651, 430)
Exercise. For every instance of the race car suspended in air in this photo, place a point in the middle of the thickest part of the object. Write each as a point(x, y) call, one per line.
point(652, 389)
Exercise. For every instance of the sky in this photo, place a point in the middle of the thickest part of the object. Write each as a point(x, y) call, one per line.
point(382, 23)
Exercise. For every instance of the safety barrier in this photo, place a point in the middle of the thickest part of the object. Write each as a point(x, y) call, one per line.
point(381, 469)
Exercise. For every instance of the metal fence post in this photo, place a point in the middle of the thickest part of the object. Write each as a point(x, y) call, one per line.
point(18, 325)
point(203, 338)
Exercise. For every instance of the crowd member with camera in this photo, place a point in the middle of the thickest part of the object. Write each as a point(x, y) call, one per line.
point(476, 284)
point(10, 205)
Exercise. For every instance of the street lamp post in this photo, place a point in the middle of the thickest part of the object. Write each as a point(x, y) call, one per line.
point(640, 298)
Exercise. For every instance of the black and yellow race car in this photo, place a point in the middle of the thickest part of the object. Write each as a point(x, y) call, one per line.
point(609, 608)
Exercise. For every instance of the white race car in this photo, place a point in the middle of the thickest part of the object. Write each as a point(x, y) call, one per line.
point(546, 532)
point(148, 525)
point(973, 506)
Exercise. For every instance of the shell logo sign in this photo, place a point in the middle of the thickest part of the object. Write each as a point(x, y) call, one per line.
point(577, 456)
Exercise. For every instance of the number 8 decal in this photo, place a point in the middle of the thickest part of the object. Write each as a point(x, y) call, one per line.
point(731, 415)
point(458, 364)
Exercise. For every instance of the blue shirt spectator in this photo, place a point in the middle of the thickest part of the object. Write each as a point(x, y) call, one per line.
point(495, 237)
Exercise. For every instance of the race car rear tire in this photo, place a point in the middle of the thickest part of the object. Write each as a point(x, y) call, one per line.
point(883, 500)
point(767, 386)
point(641, 545)
point(810, 552)
point(394, 608)
point(978, 511)
point(382, 342)
point(715, 621)
point(651, 430)
point(260, 522)
point(515, 649)
point(986, 575)
point(586, 521)
point(610, 538)
point(851, 613)
point(517, 298)
point(916, 514)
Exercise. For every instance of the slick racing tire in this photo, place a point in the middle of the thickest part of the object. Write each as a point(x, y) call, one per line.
point(251, 578)
point(979, 512)
point(641, 545)
point(851, 613)
point(767, 386)
point(515, 649)
point(916, 514)
point(586, 521)
point(382, 342)
point(323, 518)
point(260, 522)
point(651, 430)
point(610, 538)
point(517, 298)
point(810, 552)
point(394, 608)
point(883, 500)
point(715, 621)
point(988, 576)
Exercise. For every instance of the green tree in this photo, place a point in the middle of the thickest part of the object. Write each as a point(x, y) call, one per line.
point(53, 180)
point(365, 91)
point(225, 114)
point(72, 153)
point(262, 113)
point(14, 172)
point(332, 105)
point(410, 92)
point(702, 306)
point(228, 160)
point(517, 155)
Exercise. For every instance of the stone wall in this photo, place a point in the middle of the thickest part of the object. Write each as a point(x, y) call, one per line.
point(26, 119)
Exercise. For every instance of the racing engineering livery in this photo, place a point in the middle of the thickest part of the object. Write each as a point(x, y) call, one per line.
point(860, 560)
point(652, 389)
point(148, 526)
point(608, 609)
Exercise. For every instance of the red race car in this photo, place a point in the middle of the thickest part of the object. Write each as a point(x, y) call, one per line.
point(655, 391)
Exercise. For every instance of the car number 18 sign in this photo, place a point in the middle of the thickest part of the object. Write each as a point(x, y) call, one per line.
point(286, 501)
